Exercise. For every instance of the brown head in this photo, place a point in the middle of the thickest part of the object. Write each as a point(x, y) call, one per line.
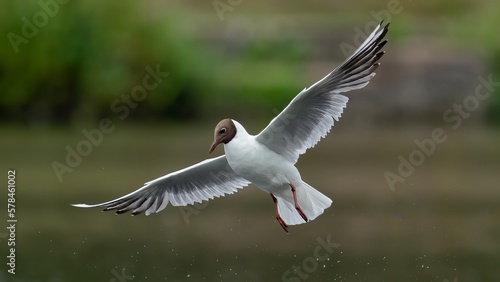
point(224, 132)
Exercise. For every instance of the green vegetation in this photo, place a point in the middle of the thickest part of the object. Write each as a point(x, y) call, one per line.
point(84, 55)
point(77, 64)
point(88, 55)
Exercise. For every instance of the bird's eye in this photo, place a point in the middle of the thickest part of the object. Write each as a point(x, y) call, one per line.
point(222, 130)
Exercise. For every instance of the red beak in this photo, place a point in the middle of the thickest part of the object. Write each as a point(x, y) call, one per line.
point(214, 145)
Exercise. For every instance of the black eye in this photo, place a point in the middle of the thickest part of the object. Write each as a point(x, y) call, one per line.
point(222, 130)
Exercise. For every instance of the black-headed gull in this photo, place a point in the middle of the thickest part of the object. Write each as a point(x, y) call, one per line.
point(268, 159)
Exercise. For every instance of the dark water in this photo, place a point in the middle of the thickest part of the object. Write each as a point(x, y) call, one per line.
point(440, 224)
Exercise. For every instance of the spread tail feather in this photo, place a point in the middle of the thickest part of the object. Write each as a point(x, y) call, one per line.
point(311, 201)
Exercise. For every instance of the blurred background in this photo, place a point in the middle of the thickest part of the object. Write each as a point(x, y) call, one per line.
point(99, 97)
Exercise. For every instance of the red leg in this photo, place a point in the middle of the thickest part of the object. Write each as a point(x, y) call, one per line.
point(302, 214)
point(278, 217)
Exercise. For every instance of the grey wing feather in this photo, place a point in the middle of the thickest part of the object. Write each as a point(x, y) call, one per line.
point(203, 181)
point(311, 114)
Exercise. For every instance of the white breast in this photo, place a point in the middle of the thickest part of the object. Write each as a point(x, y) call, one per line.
point(258, 164)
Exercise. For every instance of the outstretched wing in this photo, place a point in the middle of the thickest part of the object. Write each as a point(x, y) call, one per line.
point(203, 181)
point(311, 114)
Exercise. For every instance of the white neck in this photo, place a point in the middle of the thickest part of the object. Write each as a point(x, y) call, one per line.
point(240, 130)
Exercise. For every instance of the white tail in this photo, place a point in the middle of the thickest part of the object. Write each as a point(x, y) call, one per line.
point(311, 201)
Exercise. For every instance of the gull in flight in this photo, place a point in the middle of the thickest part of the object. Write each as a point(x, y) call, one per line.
point(267, 159)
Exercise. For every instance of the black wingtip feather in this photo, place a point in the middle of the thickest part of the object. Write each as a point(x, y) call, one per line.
point(383, 34)
point(382, 43)
point(378, 56)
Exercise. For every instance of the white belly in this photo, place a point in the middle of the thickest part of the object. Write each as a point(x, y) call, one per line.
point(256, 163)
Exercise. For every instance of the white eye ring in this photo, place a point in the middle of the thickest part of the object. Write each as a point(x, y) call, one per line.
point(222, 130)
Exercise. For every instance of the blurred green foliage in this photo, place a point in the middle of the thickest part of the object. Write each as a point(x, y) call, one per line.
point(80, 60)
point(83, 55)
point(88, 55)
point(478, 27)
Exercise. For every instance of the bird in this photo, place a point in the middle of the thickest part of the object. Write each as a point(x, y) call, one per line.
point(267, 159)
